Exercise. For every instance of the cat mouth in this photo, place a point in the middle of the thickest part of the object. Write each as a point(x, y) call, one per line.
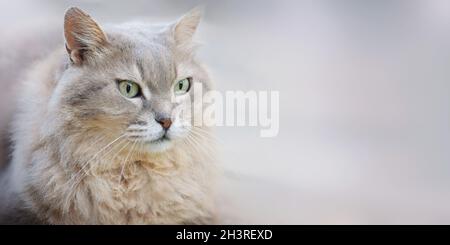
point(158, 145)
point(161, 139)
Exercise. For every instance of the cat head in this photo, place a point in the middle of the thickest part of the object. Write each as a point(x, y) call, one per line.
point(133, 81)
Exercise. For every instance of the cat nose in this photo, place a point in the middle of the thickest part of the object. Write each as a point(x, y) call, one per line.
point(165, 122)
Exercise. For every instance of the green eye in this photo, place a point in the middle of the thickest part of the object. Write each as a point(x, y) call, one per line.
point(182, 86)
point(129, 89)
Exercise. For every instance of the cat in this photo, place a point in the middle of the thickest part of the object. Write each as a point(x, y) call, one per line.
point(102, 132)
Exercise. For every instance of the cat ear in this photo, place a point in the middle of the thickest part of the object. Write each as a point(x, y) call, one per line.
point(83, 35)
point(185, 27)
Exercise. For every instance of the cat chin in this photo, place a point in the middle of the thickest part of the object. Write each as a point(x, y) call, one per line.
point(157, 146)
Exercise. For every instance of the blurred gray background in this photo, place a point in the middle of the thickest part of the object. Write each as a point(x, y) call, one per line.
point(364, 101)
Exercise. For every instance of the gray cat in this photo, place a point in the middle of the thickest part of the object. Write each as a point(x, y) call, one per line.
point(95, 136)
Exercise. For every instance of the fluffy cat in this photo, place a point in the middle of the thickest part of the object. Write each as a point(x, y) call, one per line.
point(102, 133)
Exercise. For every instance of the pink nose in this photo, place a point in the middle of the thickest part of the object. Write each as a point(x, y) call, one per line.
point(165, 122)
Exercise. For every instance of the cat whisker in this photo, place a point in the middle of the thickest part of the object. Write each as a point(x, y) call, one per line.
point(127, 143)
point(79, 176)
point(206, 154)
point(135, 136)
point(201, 133)
point(96, 154)
point(136, 130)
point(201, 148)
point(140, 122)
point(200, 129)
point(79, 173)
point(125, 162)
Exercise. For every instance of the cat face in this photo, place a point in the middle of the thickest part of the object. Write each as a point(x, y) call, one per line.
point(132, 81)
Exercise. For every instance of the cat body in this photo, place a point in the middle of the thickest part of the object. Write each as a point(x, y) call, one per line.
point(88, 152)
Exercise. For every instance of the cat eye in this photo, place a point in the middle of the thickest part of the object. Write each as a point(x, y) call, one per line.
point(183, 86)
point(129, 89)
